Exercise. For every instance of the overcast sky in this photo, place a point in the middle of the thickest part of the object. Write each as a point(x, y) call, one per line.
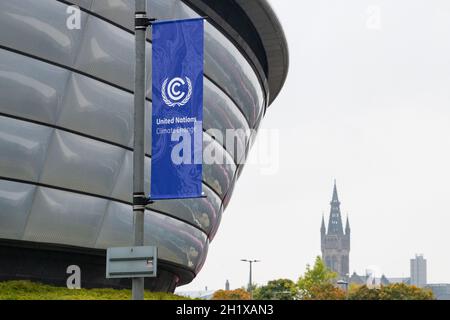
point(367, 102)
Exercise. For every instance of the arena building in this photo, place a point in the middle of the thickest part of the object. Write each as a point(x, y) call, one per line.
point(66, 132)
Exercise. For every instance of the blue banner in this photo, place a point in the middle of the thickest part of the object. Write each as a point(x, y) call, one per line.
point(177, 114)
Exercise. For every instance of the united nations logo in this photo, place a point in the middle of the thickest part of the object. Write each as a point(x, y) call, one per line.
point(171, 93)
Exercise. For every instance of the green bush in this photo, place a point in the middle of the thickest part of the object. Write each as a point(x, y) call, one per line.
point(27, 290)
point(395, 291)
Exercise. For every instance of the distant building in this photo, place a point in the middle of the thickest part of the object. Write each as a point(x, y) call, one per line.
point(405, 280)
point(419, 271)
point(205, 295)
point(368, 280)
point(227, 285)
point(66, 132)
point(417, 278)
point(441, 291)
point(335, 243)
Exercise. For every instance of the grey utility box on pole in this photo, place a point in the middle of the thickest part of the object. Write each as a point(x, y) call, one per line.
point(131, 262)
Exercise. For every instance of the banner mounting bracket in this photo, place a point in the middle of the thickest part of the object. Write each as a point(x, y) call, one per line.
point(142, 22)
point(152, 201)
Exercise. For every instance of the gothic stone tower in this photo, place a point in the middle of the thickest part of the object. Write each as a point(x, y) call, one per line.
point(334, 242)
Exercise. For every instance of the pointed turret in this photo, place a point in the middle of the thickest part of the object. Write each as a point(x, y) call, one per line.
point(322, 227)
point(347, 227)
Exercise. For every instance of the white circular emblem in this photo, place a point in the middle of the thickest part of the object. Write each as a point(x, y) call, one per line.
point(172, 94)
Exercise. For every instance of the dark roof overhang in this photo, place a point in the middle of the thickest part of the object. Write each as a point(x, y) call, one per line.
point(255, 29)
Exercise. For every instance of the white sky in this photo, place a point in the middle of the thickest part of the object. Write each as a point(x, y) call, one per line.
point(367, 102)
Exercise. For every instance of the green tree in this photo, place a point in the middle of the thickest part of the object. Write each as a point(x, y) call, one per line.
point(396, 291)
point(318, 283)
point(281, 289)
point(238, 294)
point(325, 291)
point(254, 286)
point(362, 292)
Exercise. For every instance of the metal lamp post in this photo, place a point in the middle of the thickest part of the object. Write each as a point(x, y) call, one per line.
point(343, 283)
point(139, 198)
point(250, 286)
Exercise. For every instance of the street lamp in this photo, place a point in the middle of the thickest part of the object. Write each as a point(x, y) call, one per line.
point(139, 198)
point(250, 286)
point(344, 284)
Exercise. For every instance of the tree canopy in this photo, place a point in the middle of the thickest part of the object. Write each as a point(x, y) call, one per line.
point(281, 289)
point(238, 294)
point(396, 291)
point(318, 283)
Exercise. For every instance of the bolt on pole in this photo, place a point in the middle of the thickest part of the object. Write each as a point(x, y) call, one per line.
point(139, 198)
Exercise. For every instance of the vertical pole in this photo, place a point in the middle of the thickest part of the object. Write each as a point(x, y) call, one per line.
point(250, 287)
point(139, 197)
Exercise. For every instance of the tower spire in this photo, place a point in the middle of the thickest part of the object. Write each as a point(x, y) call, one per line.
point(335, 220)
point(335, 193)
point(334, 243)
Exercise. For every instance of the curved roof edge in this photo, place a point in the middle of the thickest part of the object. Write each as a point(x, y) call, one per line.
point(274, 40)
point(239, 20)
